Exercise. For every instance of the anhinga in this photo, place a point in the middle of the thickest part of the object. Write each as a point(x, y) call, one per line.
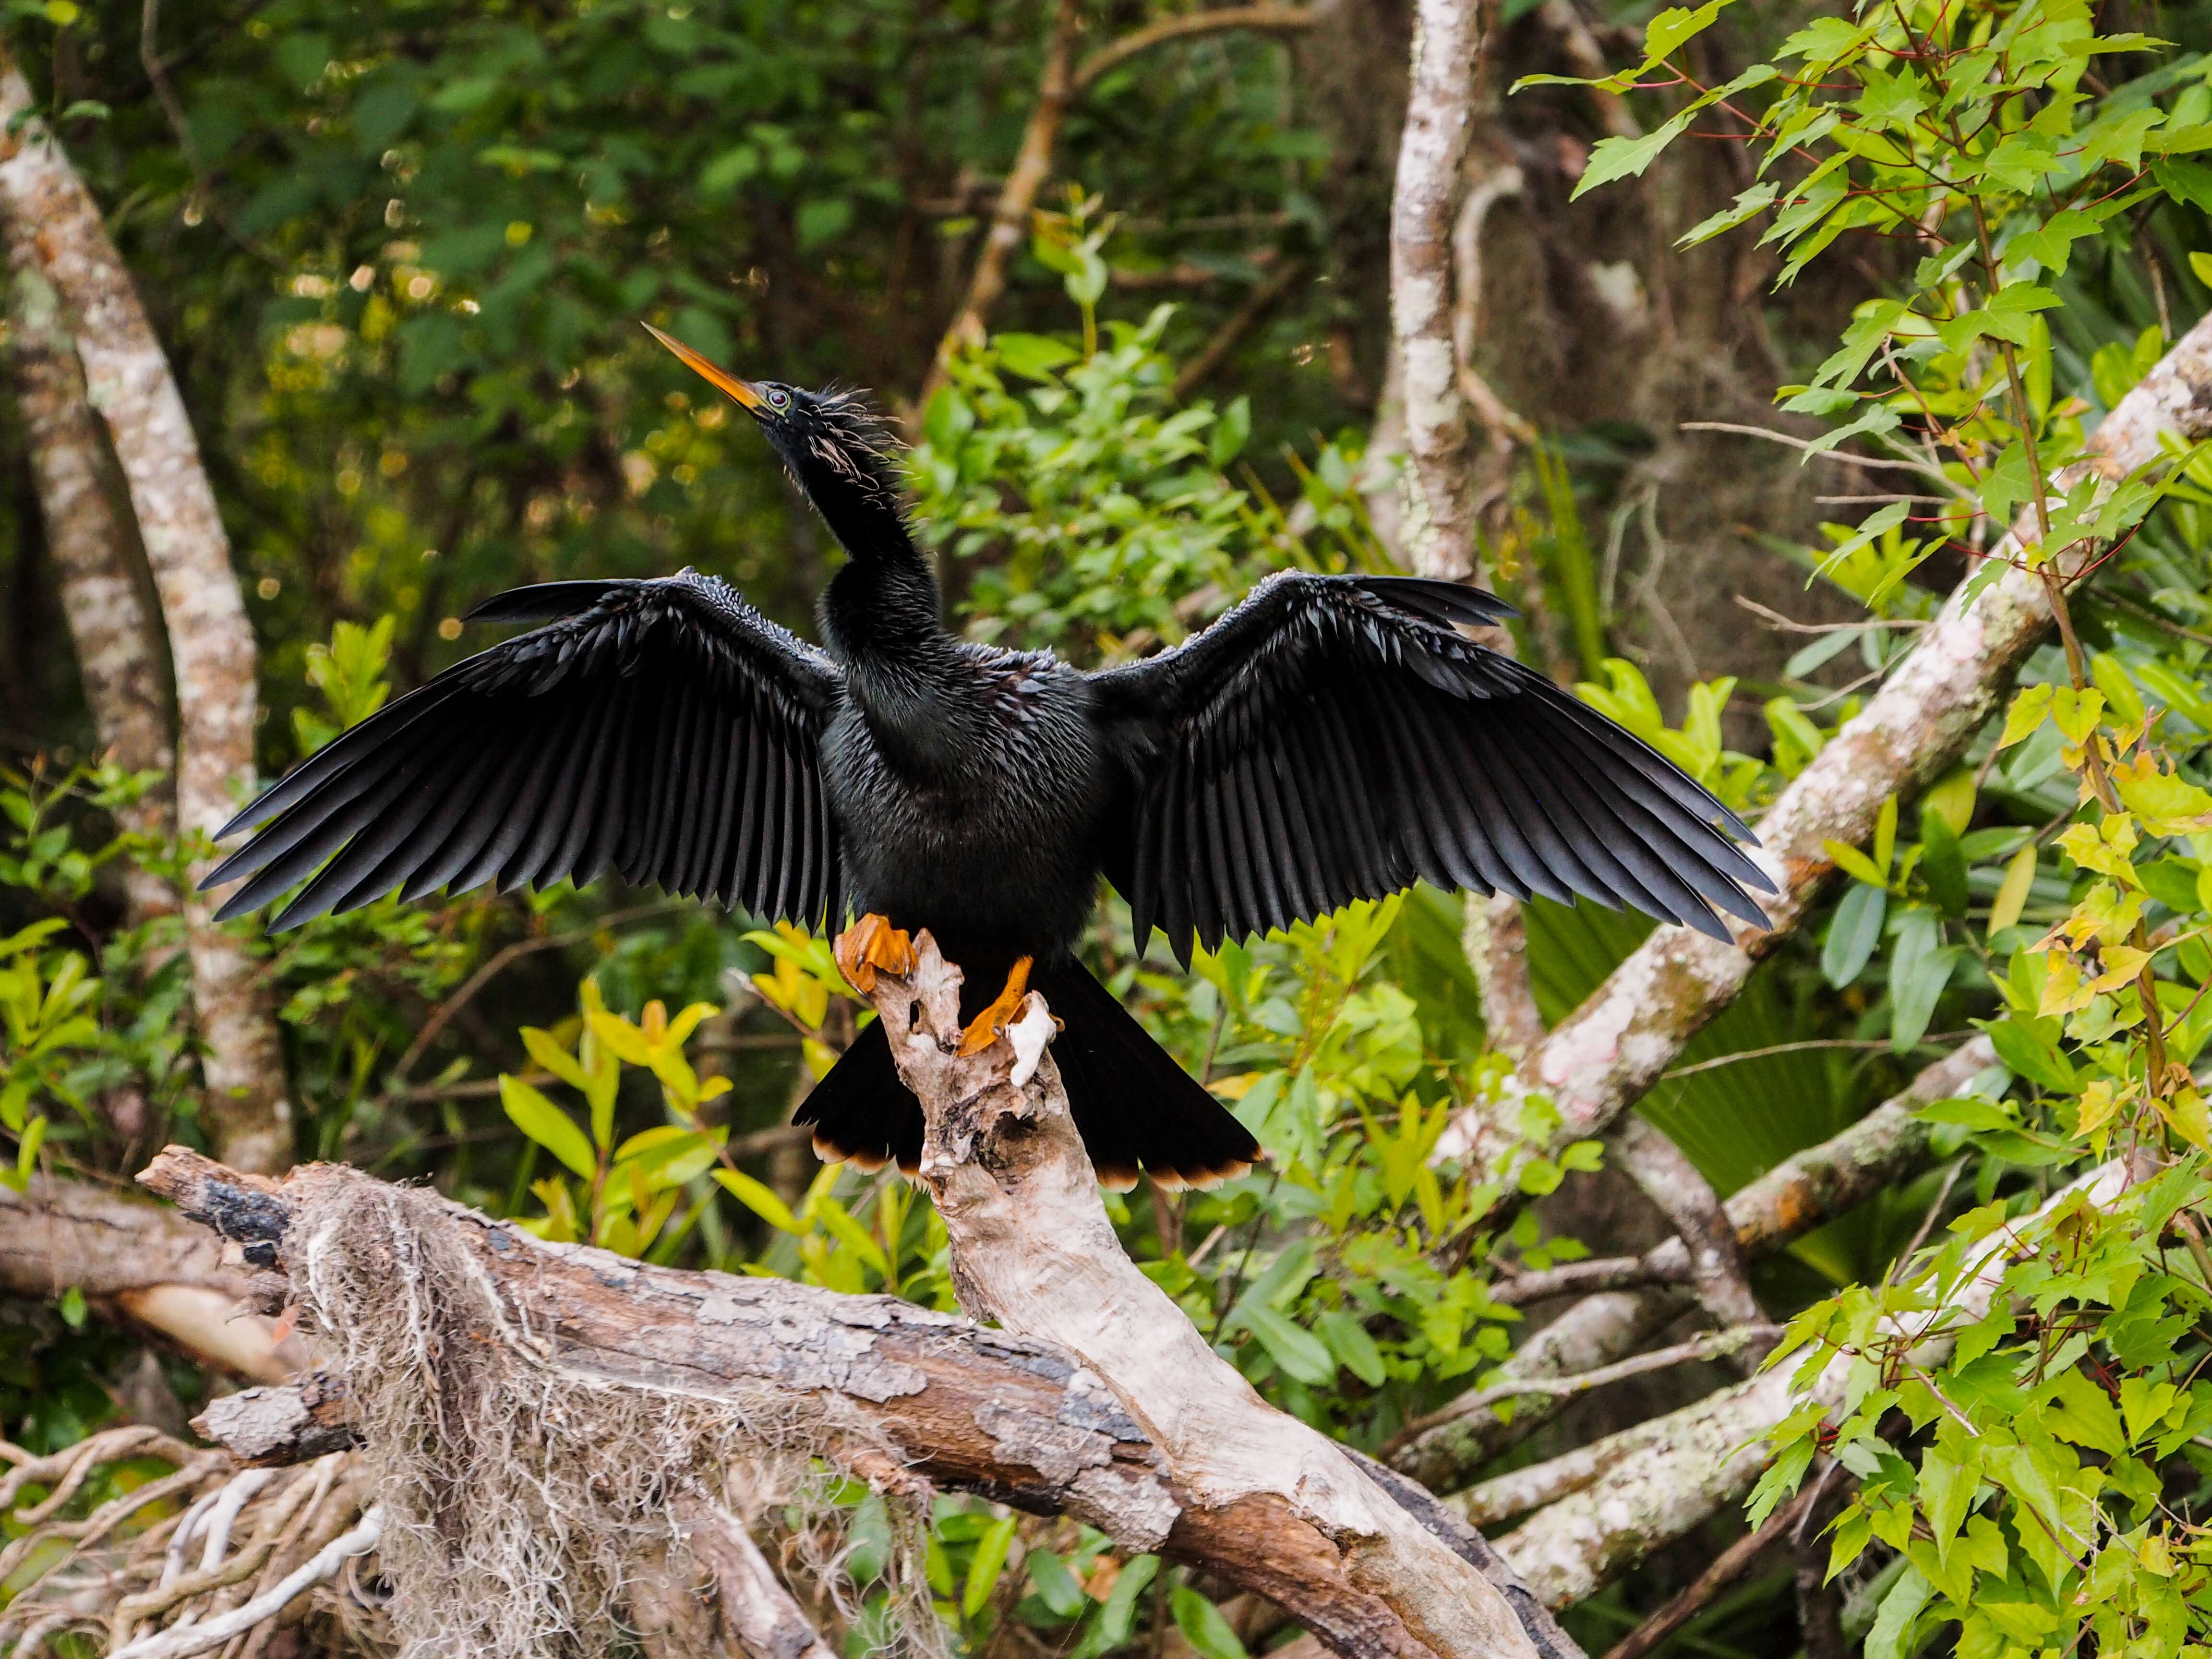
point(1329, 738)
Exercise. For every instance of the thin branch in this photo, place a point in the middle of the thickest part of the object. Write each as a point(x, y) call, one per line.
point(1710, 1345)
point(1241, 322)
point(1807, 1043)
point(179, 1643)
point(1271, 19)
point(1612, 1272)
point(1771, 435)
point(1730, 1564)
point(443, 1015)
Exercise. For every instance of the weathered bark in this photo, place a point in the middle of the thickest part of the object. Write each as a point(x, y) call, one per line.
point(118, 647)
point(1889, 1144)
point(146, 1265)
point(1608, 1052)
point(1662, 1479)
point(959, 1406)
point(245, 1108)
point(1031, 1244)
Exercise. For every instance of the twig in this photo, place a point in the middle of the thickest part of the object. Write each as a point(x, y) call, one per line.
point(1809, 1043)
point(1729, 1565)
point(443, 1014)
point(1889, 463)
point(1614, 1273)
point(1711, 1345)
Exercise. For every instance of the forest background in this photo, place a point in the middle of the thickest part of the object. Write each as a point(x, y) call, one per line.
point(1785, 365)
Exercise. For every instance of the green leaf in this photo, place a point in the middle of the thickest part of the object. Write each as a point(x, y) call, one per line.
point(1891, 1635)
point(1618, 157)
point(1203, 1626)
point(1353, 1347)
point(548, 1125)
point(1943, 866)
point(1854, 934)
point(1119, 1614)
point(1855, 864)
point(1033, 356)
point(1920, 970)
point(759, 1200)
point(1670, 30)
point(1056, 1587)
point(1302, 1355)
point(989, 1561)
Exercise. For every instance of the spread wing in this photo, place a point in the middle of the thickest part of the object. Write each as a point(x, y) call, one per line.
point(1336, 737)
point(662, 729)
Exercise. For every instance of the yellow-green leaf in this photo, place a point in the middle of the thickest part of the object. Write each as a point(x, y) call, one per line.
point(2011, 896)
point(2028, 711)
point(547, 1124)
point(759, 1200)
point(1854, 863)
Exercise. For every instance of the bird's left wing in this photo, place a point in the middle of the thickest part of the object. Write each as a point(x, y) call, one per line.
point(663, 729)
point(1337, 738)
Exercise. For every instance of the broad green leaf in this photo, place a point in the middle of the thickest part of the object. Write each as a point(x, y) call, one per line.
point(1854, 934)
point(989, 1561)
point(1056, 1587)
point(548, 1125)
point(759, 1200)
point(1300, 1353)
point(1353, 1347)
point(1203, 1626)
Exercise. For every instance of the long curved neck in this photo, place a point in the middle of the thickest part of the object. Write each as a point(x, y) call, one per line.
point(882, 608)
point(881, 616)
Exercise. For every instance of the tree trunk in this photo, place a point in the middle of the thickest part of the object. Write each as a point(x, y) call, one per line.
point(245, 1109)
point(118, 648)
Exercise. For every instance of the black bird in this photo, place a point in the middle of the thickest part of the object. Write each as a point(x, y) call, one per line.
point(1329, 738)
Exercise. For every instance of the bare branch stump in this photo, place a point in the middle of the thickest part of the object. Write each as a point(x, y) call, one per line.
point(1031, 1246)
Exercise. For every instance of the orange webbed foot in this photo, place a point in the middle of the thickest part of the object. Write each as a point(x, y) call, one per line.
point(983, 1030)
point(872, 942)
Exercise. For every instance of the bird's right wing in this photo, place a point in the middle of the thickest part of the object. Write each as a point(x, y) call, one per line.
point(1336, 737)
point(663, 729)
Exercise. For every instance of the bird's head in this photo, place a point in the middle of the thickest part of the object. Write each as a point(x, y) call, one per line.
point(835, 447)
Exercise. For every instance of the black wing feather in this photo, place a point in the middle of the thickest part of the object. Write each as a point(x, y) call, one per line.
point(638, 729)
point(1336, 738)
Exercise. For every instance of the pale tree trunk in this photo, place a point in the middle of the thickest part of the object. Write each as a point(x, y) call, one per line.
point(245, 1109)
point(1438, 528)
point(118, 645)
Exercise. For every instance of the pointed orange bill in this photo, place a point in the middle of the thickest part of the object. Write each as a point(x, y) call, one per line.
point(743, 391)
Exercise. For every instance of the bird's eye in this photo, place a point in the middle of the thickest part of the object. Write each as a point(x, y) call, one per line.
point(778, 398)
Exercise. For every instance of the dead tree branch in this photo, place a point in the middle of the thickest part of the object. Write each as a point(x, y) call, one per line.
point(127, 380)
point(950, 1403)
point(1031, 1245)
point(145, 1264)
point(1606, 1054)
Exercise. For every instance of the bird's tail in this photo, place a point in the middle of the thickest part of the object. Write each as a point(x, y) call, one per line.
point(1135, 1106)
